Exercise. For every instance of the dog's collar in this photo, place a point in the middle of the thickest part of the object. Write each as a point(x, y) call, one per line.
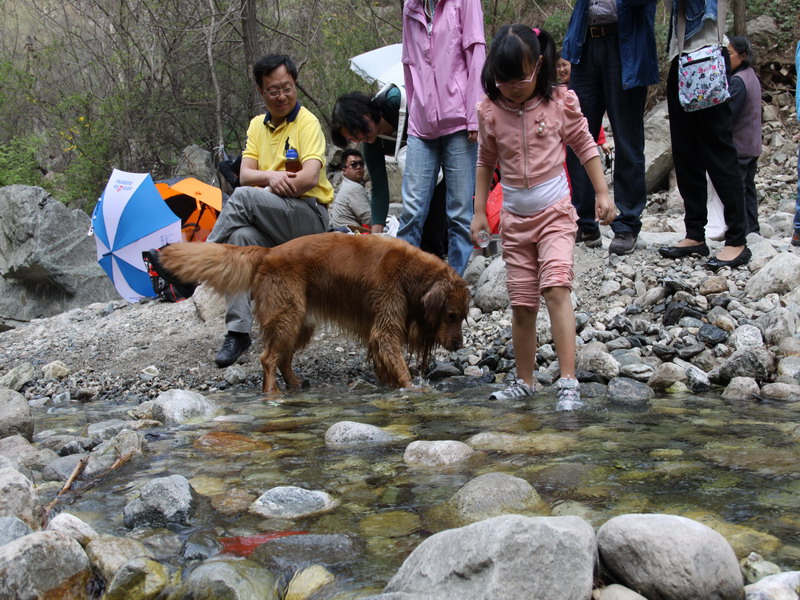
point(289, 118)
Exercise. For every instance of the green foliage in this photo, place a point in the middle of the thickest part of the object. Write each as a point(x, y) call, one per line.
point(18, 162)
point(556, 25)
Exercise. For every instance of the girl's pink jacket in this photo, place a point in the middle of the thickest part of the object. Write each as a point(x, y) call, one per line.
point(528, 141)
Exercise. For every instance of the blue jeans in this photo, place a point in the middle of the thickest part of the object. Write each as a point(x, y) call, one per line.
point(797, 202)
point(597, 81)
point(457, 157)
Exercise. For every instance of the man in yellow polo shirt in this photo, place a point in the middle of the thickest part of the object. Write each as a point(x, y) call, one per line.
point(273, 205)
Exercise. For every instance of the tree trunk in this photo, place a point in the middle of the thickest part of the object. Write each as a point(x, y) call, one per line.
point(739, 18)
point(250, 40)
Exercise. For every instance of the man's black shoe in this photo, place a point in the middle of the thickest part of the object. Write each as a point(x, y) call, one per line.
point(623, 243)
point(591, 239)
point(235, 343)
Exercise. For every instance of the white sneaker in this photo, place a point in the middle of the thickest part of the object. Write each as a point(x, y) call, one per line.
point(569, 394)
point(518, 389)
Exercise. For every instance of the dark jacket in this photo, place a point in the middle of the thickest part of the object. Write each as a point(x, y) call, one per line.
point(636, 34)
point(745, 92)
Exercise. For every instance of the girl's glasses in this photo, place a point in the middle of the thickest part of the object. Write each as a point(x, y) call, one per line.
point(518, 85)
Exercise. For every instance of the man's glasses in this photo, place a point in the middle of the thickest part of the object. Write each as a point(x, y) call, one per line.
point(356, 164)
point(518, 85)
point(276, 93)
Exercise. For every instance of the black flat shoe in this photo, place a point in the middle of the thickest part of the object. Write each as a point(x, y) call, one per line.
point(683, 251)
point(744, 257)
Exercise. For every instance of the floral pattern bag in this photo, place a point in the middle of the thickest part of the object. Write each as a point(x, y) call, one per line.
point(702, 81)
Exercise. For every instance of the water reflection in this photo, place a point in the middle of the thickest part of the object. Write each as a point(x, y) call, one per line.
point(732, 465)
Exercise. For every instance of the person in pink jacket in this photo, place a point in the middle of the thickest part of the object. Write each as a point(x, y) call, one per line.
point(523, 123)
point(443, 53)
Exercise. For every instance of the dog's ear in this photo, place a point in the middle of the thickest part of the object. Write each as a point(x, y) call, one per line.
point(434, 301)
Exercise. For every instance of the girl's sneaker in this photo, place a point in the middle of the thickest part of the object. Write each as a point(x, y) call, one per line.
point(569, 395)
point(518, 389)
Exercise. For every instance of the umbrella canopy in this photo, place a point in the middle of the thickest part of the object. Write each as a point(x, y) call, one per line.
point(130, 217)
point(383, 65)
point(197, 204)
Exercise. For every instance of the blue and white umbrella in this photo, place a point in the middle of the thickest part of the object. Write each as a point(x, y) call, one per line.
point(130, 217)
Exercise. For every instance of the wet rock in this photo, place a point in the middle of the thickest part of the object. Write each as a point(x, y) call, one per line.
point(741, 388)
point(162, 501)
point(789, 366)
point(104, 430)
point(61, 468)
point(290, 502)
point(174, 407)
point(665, 375)
point(15, 415)
point(350, 433)
point(659, 556)
point(292, 551)
point(595, 358)
point(436, 453)
point(122, 447)
point(12, 528)
point(756, 363)
point(108, 554)
point(139, 579)
point(629, 392)
point(443, 370)
point(64, 445)
point(43, 564)
point(754, 568)
point(307, 582)
point(232, 579)
point(390, 524)
point(783, 392)
point(485, 560)
point(18, 498)
point(22, 453)
point(69, 524)
point(782, 586)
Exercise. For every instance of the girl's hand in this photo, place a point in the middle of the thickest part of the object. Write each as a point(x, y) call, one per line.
point(479, 223)
point(604, 209)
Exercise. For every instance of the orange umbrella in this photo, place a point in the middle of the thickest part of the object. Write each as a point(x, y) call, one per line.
point(198, 205)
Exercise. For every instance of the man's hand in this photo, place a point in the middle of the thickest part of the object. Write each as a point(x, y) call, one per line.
point(472, 136)
point(604, 209)
point(282, 183)
point(479, 223)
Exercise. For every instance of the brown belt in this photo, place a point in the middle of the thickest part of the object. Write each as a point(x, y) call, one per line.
point(597, 31)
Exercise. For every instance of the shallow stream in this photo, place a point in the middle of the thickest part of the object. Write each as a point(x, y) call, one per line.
point(732, 464)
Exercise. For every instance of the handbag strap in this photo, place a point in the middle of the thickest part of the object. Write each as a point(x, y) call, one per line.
point(722, 10)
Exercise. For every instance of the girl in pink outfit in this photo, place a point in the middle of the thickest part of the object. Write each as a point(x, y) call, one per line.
point(523, 123)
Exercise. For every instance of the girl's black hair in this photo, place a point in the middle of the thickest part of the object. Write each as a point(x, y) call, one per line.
point(512, 48)
point(743, 48)
point(349, 112)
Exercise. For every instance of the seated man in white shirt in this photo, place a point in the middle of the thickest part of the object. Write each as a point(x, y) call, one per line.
point(351, 207)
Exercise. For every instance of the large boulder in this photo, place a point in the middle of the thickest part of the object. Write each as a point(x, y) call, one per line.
point(48, 264)
point(666, 556)
point(15, 415)
point(44, 564)
point(657, 147)
point(512, 556)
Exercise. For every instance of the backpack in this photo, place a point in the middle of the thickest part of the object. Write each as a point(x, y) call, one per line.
point(165, 285)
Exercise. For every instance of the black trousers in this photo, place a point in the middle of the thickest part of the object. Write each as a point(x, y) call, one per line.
point(748, 165)
point(702, 142)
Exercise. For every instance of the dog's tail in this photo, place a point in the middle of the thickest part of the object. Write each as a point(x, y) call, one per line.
point(224, 267)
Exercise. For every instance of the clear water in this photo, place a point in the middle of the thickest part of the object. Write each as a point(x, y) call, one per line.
point(735, 465)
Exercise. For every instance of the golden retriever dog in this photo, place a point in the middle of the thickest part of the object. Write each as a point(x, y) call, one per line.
point(384, 291)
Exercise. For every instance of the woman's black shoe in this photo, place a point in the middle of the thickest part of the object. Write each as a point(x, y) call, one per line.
point(682, 251)
point(744, 257)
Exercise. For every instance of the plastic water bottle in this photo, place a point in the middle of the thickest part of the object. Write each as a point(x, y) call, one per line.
point(293, 164)
point(483, 238)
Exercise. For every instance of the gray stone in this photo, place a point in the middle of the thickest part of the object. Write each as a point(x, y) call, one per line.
point(316, 548)
point(108, 553)
point(789, 366)
point(616, 592)
point(125, 445)
point(595, 358)
point(741, 388)
point(490, 290)
point(174, 407)
point(162, 501)
point(81, 532)
point(18, 376)
point(782, 586)
point(15, 415)
point(711, 334)
point(12, 528)
point(780, 275)
point(629, 392)
point(291, 502)
point(783, 392)
point(667, 374)
point(754, 567)
point(139, 578)
point(61, 468)
point(755, 363)
point(104, 430)
point(436, 453)
point(232, 579)
point(44, 564)
point(48, 264)
point(667, 556)
point(55, 370)
point(512, 556)
point(747, 337)
point(776, 325)
point(350, 433)
point(24, 454)
point(18, 498)
point(657, 147)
